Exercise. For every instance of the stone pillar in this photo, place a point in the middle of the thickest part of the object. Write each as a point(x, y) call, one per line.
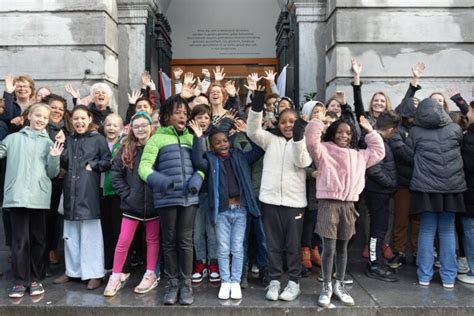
point(133, 19)
point(311, 19)
point(389, 37)
point(56, 42)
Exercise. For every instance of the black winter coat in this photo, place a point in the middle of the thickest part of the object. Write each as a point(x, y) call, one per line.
point(436, 144)
point(468, 159)
point(135, 195)
point(82, 187)
point(402, 153)
point(382, 177)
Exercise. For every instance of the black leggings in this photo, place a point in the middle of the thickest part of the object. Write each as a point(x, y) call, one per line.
point(333, 247)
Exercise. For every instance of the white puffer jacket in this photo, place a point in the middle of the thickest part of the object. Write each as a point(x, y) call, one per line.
point(283, 177)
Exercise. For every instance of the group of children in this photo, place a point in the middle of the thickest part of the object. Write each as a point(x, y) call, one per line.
point(205, 172)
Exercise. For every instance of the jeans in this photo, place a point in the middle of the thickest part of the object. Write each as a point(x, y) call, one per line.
point(230, 233)
point(203, 228)
point(468, 225)
point(431, 222)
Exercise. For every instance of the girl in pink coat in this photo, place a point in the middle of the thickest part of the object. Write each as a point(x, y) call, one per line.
point(340, 180)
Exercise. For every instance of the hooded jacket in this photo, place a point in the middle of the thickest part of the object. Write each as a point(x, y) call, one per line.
point(402, 153)
point(80, 186)
point(167, 167)
point(436, 144)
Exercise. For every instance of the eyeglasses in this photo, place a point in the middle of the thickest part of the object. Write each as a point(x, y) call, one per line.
point(138, 126)
point(22, 87)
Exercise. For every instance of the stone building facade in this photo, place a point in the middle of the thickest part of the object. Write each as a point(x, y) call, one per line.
point(83, 42)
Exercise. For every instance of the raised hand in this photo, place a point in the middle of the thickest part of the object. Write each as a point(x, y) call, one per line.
point(232, 113)
point(260, 88)
point(365, 124)
point(418, 69)
point(251, 84)
point(146, 79)
point(219, 74)
point(132, 99)
point(189, 79)
point(240, 125)
point(269, 75)
point(177, 72)
point(452, 91)
point(340, 97)
point(230, 88)
point(72, 92)
point(9, 86)
point(356, 67)
point(187, 91)
point(85, 100)
point(56, 149)
point(19, 121)
point(60, 137)
point(196, 128)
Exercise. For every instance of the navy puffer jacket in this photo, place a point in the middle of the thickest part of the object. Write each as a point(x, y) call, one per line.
point(436, 144)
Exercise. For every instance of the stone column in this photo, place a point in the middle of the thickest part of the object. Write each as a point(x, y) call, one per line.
point(133, 16)
point(389, 37)
point(311, 19)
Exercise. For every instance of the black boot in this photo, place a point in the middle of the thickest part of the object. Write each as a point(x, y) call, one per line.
point(186, 293)
point(171, 295)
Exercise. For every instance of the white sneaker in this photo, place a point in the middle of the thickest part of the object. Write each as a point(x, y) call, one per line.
point(466, 278)
point(341, 292)
point(273, 290)
point(224, 292)
point(325, 296)
point(463, 266)
point(291, 292)
point(235, 291)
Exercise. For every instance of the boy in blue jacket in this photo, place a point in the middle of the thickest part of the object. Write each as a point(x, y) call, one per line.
point(230, 198)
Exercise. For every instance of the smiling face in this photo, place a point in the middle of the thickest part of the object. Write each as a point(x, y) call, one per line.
point(216, 96)
point(42, 93)
point(335, 107)
point(101, 98)
point(178, 118)
point(23, 90)
point(141, 129)
point(203, 120)
point(379, 104)
point(57, 111)
point(81, 121)
point(143, 106)
point(39, 118)
point(220, 144)
point(343, 135)
point(286, 123)
point(112, 127)
point(318, 112)
point(283, 105)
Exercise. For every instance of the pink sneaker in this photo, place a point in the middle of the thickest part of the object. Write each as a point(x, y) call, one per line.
point(148, 283)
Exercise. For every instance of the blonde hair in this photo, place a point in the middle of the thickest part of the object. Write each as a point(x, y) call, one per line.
point(31, 82)
point(388, 103)
point(113, 116)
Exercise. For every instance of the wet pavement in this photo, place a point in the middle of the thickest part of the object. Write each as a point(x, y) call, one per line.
point(372, 297)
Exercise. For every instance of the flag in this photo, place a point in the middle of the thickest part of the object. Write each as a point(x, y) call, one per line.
point(281, 82)
point(165, 86)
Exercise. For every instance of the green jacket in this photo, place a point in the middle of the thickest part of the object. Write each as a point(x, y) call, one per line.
point(30, 169)
point(108, 189)
point(166, 166)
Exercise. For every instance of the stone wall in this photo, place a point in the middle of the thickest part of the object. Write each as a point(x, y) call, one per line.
point(388, 37)
point(60, 41)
